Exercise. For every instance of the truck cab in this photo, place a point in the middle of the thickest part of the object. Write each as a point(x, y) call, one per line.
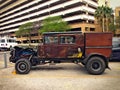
point(60, 45)
point(93, 50)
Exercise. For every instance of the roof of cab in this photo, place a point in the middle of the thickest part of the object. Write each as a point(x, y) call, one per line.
point(69, 32)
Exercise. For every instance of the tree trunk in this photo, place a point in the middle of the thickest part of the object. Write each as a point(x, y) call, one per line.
point(107, 24)
point(103, 25)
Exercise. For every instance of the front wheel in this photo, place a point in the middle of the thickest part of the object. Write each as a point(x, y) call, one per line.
point(22, 66)
point(95, 65)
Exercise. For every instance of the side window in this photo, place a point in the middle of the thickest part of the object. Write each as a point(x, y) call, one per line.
point(67, 39)
point(51, 40)
point(2, 40)
point(10, 40)
point(116, 44)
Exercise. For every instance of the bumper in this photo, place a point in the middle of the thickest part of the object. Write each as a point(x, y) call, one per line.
point(12, 57)
point(4, 48)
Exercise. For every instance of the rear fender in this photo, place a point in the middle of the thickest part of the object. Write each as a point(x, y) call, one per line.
point(106, 60)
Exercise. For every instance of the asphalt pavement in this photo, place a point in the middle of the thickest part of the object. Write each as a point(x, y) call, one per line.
point(64, 76)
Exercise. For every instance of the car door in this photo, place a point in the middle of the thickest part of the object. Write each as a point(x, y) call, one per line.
point(50, 46)
point(67, 46)
point(116, 54)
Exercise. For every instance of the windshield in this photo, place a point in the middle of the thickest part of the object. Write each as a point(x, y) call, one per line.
point(2, 41)
point(11, 41)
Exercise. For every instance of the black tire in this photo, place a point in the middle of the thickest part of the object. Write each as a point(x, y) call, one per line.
point(22, 66)
point(83, 63)
point(95, 65)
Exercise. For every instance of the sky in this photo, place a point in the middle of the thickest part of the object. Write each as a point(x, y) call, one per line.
point(114, 3)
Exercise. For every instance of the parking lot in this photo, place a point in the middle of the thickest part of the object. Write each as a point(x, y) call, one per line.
point(64, 76)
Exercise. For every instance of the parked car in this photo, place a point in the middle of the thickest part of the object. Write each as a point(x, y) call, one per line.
point(115, 54)
point(6, 43)
point(116, 49)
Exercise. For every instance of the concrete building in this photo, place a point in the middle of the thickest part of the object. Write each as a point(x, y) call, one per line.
point(78, 13)
point(117, 13)
point(104, 2)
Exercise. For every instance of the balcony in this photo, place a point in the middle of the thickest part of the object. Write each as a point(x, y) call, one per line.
point(91, 2)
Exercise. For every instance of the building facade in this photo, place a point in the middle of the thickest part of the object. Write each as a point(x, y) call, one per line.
point(104, 2)
point(117, 13)
point(78, 13)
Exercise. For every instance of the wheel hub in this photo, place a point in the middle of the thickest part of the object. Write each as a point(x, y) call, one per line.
point(22, 66)
point(95, 65)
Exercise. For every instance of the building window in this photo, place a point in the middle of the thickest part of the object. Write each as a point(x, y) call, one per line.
point(76, 29)
point(92, 29)
point(86, 28)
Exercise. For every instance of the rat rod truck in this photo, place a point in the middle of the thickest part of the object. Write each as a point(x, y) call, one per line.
point(93, 50)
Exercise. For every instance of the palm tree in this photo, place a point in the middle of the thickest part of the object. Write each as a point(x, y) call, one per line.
point(99, 14)
point(112, 27)
point(103, 15)
point(109, 17)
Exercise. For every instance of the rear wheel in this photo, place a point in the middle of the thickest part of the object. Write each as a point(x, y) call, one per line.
point(23, 66)
point(95, 65)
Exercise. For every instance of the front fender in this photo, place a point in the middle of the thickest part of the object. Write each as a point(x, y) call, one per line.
point(21, 53)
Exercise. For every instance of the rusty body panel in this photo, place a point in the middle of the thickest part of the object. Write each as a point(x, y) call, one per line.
point(98, 43)
point(59, 50)
point(89, 43)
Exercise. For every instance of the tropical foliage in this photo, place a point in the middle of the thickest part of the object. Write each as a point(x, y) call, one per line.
point(104, 16)
point(112, 27)
point(52, 24)
point(25, 29)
